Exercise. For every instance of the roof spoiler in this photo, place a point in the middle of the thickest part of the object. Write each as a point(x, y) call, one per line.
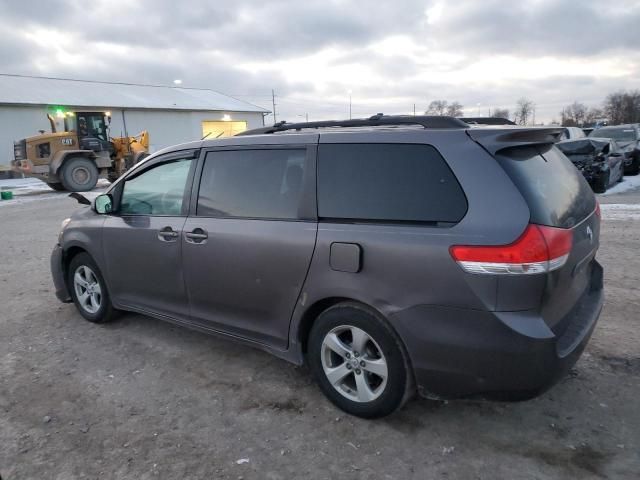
point(494, 140)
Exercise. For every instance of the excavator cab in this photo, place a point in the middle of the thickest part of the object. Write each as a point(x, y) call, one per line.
point(92, 129)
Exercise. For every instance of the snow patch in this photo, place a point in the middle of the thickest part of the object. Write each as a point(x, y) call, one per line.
point(620, 211)
point(27, 190)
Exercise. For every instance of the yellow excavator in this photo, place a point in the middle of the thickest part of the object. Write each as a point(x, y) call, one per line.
point(73, 160)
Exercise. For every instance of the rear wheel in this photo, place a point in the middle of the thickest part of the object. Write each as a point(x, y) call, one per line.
point(58, 187)
point(89, 290)
point(358, 361)
point(79, 174)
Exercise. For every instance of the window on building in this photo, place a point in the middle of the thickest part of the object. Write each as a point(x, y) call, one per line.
point(216, 129)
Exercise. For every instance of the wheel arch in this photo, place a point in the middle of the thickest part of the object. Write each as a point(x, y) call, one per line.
point(314, 311)
point(67, 256)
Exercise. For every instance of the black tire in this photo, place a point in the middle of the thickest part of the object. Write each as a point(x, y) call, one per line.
point(79, 174)
point(634, 168)
point(399, 382)
point(601, 184)
point(58, 187)
point(105, 312)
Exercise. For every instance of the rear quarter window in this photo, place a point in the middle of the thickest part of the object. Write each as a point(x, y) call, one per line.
point(387, 182)
point(556, 192)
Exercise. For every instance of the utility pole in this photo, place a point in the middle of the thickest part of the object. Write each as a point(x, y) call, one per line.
point(414, 109)
point(273, 101)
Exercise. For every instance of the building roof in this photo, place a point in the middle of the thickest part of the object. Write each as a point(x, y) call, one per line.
point(27, 90)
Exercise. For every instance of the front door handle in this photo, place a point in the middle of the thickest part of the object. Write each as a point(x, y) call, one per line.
point(167, 234)
point(197, 235)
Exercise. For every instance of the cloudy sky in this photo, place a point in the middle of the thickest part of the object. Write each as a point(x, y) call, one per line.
point(389, 54)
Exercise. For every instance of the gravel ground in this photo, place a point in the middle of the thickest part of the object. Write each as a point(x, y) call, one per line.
point(143, 399)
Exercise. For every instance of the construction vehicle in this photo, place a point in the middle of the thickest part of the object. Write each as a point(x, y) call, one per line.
point(73, 160)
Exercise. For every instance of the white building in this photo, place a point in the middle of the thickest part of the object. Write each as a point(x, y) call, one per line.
point(170, 114)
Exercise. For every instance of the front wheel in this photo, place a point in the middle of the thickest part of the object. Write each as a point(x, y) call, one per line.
point(89, 290)
point(601, 184)
point(634, 168)
point(79, 174)
point(358, 361)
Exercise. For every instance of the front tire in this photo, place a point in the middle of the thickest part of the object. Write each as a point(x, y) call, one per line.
point(634, 168)
point(601, 184)
point(79, 174)
point(358, 361)
point(89, 290)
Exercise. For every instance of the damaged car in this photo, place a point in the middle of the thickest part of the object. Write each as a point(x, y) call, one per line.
point(599, 159)
point(628, 139)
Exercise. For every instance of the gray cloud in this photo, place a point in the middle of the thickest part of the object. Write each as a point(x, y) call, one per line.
point(205, 43)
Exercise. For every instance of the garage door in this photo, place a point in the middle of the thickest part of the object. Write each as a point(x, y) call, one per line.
point(213, 129)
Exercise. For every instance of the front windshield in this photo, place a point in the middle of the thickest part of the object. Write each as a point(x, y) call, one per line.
point(620, 134)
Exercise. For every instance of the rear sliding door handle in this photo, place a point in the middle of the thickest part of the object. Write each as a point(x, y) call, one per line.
point(167, 234)
point(197, 235)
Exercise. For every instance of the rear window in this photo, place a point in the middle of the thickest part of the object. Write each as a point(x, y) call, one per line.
point(556, 192)
point(387, 182)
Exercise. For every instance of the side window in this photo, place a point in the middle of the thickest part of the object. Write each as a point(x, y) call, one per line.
point(252, 184)
point(387, 182)
point(157, 191)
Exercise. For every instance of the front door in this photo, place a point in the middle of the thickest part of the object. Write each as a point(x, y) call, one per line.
point(248, 245)
point(142, 240)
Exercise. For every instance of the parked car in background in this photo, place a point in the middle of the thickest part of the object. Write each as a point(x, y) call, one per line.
point(571, 133)
point(494, 121)
point(628, 138)
point(372, 250)
point(599, 159)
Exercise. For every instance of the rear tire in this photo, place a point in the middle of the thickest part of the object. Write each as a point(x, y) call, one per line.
point(89, 290)
point(58, 187)
point(358, 361)
point(79, 174)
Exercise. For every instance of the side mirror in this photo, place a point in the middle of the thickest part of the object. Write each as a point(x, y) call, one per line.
point(103, 204)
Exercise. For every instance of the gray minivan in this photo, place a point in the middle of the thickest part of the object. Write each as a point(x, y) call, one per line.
point(389, 254)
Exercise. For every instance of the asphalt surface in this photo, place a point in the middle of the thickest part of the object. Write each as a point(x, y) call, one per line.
point(141, 399)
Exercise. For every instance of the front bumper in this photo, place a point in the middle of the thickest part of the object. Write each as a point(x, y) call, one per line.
point(58, 274)
point(458, 352)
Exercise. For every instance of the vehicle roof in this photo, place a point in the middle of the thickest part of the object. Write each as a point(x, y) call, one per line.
point(624, 125)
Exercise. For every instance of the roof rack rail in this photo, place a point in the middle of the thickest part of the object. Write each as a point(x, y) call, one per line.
point(374, 121)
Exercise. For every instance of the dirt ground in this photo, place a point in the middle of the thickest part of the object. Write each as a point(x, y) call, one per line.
point(142, 399)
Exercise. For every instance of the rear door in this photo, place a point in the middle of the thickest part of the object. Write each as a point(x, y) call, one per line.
point(558, 196)
point(249, 239)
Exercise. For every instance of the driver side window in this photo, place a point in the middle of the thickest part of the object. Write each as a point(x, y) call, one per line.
point(158, 191)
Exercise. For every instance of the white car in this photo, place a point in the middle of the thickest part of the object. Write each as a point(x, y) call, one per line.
point(571, 133)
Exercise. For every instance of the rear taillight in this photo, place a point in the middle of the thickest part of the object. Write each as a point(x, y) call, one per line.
point(540, 249)
point(598, 214)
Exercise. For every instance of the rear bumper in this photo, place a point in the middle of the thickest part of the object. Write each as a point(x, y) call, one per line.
point(459, 352)
point(57, 273)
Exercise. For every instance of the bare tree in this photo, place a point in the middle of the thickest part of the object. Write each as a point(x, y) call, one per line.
point(455, 109)
point(500, 113)
point(574, 114)
point(525, 109)
point(437, 107)
point(592, 115)
point(623, 107)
